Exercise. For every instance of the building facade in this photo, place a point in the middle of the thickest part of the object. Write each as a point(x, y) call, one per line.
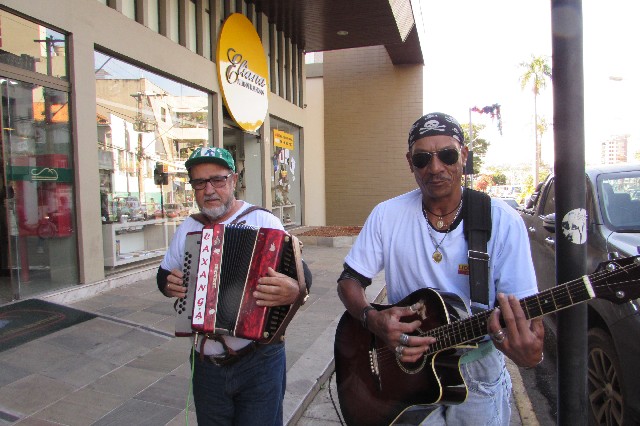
point(614, 150)
point(104, 100)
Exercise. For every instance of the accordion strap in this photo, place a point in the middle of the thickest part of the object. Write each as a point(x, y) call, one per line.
point(278, 336)
point(205, 220)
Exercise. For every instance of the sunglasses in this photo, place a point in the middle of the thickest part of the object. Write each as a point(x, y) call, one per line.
point(448, 156)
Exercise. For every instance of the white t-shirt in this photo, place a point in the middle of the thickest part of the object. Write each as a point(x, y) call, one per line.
point(396, 238)
point(174, 257)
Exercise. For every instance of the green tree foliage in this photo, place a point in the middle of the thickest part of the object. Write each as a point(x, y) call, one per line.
point(499, 178)
point(479, 145)
point(484, 182)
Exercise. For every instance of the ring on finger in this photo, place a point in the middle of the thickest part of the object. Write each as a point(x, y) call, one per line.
point(404, 339)
point(499, 336)
point(399, 349)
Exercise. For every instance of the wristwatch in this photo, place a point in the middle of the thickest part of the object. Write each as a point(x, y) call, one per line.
point(363, 317)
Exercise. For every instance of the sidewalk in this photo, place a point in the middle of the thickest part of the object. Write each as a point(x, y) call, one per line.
point(126, 368)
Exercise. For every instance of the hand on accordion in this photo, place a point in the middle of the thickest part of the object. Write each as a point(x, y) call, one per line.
point(276, 289)
point(175, 285)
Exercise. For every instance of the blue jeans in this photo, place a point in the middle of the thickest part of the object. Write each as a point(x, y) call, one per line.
point(487, 403)
point(248, 392)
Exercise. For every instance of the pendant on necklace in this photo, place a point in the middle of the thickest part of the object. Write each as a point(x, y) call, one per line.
point(437, 256)
point(439, 223)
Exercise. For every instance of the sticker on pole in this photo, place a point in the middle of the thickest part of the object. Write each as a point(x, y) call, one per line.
point(574, 226)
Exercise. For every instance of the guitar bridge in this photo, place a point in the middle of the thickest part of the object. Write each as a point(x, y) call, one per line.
point(373, 364)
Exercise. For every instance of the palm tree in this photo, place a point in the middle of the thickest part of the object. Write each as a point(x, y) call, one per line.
point(542, 127)
point(537, 72)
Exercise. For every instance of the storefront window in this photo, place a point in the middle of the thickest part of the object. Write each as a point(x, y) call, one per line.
point(38, 241)
point(285, 176)
point(32, 47)
point(148, 126)
point(247, 155)
point(37, 189)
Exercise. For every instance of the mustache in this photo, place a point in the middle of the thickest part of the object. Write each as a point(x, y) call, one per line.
point(438, 178)
point(211, 198)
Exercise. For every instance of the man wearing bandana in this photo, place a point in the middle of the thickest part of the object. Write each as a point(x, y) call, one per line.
point(418, 239)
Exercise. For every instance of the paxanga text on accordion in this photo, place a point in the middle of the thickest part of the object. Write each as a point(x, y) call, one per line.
point(222, 264)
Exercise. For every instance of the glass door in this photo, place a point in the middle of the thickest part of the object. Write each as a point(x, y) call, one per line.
point(38, 232)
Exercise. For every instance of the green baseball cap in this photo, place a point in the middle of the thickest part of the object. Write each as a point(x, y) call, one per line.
point(207, 154)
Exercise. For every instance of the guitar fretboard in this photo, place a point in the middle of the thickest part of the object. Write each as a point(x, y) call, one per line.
point(543, 303)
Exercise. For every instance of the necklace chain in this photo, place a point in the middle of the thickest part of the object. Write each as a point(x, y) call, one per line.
point(437, 255)
point(440, 221)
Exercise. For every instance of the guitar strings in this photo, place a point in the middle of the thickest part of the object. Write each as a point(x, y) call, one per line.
point(478, 322)
point(474, 327)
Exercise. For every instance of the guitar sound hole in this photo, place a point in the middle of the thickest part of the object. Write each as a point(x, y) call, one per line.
point(412, 367)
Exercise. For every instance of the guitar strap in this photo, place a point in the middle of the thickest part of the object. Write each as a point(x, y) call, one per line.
point(476, 216)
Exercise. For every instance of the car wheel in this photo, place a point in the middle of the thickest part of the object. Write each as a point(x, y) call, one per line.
point(605, 390)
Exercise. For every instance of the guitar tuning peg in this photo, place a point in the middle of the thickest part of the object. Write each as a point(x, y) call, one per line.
point(613, 255)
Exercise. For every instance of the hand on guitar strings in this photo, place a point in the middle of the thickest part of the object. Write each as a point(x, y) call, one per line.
point(276, 289)
point(387, 325)
point(522, 339)
point(175, 286)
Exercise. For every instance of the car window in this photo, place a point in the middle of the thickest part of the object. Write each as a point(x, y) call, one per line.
point(618, 200)
point(549, 200)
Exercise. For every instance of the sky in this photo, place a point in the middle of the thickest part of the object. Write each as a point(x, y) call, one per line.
point(473, 51)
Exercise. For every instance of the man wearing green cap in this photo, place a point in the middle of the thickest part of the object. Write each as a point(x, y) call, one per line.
point(236, 381)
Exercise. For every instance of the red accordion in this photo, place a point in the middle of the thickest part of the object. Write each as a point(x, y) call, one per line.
point(222, 264)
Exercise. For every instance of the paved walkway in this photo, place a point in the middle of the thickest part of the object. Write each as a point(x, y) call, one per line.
point(126, 368)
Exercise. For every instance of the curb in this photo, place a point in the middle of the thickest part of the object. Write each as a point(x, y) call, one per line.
point(311, 372)
point(327, 241)
point(520, 396)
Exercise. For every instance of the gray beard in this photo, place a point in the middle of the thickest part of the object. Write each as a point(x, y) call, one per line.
point(215, 213)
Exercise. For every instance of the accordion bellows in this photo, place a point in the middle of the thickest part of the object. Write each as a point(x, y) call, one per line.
point(222, 264)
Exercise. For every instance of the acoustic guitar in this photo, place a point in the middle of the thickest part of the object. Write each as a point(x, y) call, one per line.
point(375, 388)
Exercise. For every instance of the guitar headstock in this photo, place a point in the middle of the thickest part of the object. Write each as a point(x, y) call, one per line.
point(617, 280)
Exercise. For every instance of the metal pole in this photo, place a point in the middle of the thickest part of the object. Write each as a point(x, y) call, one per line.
point(569, 169)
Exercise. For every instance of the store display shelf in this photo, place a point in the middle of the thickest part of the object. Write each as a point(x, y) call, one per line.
point(129, 242)
point(286, 213)
point(136, 256)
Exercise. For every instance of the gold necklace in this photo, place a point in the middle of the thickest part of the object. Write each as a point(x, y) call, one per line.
point(437, 255)
point(440, 221)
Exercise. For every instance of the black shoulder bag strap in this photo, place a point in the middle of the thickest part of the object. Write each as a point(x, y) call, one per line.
point(476, 214)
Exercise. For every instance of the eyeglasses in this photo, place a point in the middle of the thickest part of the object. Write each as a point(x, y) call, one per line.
point(448, 156)
point(215, 181)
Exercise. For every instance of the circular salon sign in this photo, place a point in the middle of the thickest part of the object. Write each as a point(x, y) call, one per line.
point(243, 72)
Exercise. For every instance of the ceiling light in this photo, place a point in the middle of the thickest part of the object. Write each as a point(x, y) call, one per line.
point(342, 33)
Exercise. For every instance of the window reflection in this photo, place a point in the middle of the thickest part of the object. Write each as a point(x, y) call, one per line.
point(145, 121)
point(33, 47)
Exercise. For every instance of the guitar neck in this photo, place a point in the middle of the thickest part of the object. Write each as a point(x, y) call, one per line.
point(537, 305)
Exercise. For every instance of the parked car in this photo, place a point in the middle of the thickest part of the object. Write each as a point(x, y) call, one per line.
point(128, 208)
point(190, 208)
point(512, 202)
point(172, 210)
point(613, 229)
